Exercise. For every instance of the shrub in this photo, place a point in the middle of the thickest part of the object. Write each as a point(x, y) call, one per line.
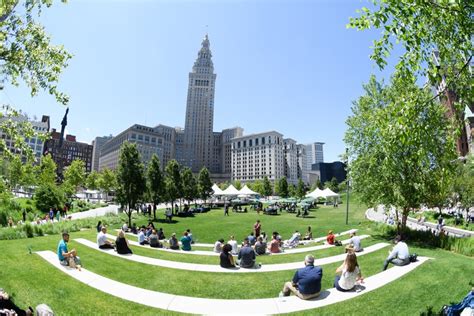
point(3, 218)
point(29, 230)
point(464, 246)
point(49, 196)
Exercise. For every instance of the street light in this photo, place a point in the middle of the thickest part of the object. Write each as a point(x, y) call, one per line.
point(347, 181)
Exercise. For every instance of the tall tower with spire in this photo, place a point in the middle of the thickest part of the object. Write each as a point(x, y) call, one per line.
point(198, 129)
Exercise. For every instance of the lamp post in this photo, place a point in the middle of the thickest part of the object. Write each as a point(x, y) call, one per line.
point(347, 182)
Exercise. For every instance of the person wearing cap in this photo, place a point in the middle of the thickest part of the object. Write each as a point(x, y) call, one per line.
point(306, 283)
point(399, 255)
point(102, 240)
point(174, 242)
point(354, 243)
point(67, 258)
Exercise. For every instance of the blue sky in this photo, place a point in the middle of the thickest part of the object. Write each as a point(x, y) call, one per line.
point(290, 66)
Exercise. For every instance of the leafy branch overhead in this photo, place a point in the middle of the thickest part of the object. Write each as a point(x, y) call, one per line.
point(424, 27)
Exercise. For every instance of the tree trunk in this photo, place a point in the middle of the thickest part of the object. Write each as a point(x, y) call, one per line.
point(154, 211)
point(129, 213)
point(404, 217)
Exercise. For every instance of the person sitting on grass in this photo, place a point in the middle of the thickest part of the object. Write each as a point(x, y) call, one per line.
point(134, 229)
point(190, 235)
point(173, 242)
point(348, 274)
point(252, 239)
point(399, 255)
point(260, 246)
point(226, 259)
point(154, 240)
point(186, 242)
point(121, 244)
point(142, 239)
point(161, 234)
point(68, 258)
point(125, 227)
point(246, 258)
point(102, 240)
point(233, 243)
point(274, 246)
point(8, 307)
point(306, 283)
point(309, 234)
point(331, 238)
point(218, 245)
point(354, 243)
point(294, 240)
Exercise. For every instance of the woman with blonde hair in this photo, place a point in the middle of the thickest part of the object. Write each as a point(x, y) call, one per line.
point(121, 244)
point(348, 274)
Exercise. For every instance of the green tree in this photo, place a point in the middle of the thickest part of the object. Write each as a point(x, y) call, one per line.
point(257, 186)
point(27, 55)
point(15, 172)
point(463, 184)
point(131, 182)
point(317, 184)
point(190, 187)
point(224, 185)
point(204, 184)
point(300, 189)
point(282, 187)
point(92, 180)
point(107, 181)
point(399, 144)
point(291, 190)
point(333, 185)
point(237, 184)
point(155, 182)
point(74, 177)
point(29, 175)
point(173, 184)
point(421, 28)
point(47, 170)
point(267, 187)
point(49, 195)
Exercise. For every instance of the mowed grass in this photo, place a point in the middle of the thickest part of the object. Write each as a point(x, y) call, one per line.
point(31, 280)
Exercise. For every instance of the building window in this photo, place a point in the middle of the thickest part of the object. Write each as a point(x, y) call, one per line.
point(134, 136)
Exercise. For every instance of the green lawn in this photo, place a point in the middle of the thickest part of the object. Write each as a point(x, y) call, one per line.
point(32, 281)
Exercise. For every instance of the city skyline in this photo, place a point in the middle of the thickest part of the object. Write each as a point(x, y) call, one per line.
point(257, 89)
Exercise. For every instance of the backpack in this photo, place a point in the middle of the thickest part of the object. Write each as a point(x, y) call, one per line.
point(413, 257)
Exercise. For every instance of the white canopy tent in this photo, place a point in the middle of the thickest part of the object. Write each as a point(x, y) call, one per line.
point(217, 190)
point(329, 193)
point(316, 194)
point(247, 191)
point(231, 190)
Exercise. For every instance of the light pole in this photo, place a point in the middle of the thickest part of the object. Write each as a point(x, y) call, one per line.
point(347, 181)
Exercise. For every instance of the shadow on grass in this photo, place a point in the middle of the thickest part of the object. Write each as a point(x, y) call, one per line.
point(164, 221)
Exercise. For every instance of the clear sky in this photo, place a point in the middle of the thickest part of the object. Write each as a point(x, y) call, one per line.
point(290, 66)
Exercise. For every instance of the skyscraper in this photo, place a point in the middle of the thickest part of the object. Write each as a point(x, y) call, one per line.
point(198, 129)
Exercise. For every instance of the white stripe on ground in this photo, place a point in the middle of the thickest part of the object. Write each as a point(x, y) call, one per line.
point(195, 305)
point(217, 268)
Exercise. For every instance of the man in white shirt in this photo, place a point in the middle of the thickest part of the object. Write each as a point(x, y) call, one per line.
point(233, 243)
point(102, 241)
point(399, 255)
point(354, 243)
point(218, 245)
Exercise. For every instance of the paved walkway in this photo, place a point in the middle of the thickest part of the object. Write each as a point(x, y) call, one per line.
point(101, 211)
point(212, 253)
point(217, 268)
point(195, 305)
point(378, 216)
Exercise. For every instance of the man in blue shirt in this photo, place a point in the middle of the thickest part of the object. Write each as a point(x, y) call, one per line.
point(67, 258)
point(247, 256)
point(306, 283)
point(186, 242)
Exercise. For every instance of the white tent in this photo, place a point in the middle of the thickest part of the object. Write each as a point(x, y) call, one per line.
point(231, 190)
point(316, 194)
point(328, 193)
point(247, 191)
point(216, 189)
